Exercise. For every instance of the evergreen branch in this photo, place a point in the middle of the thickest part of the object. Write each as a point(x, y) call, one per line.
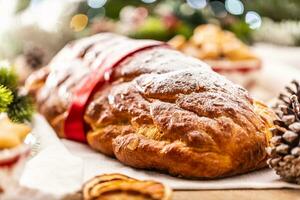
point(8, 78)
point(6, 98)
point(21, 109)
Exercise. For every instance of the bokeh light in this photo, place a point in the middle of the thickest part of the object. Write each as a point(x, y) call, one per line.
point(96, 3)
point(79, 22)
point(148, 1)
point(235, 7)
point(218, 8)
point(253, 19)
point(198, 4)
point(186, 9)
point(99, 12)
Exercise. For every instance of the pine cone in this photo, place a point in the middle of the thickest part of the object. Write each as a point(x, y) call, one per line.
point(284, 151)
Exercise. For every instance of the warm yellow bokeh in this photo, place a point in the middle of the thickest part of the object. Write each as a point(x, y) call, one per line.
point(79, 22)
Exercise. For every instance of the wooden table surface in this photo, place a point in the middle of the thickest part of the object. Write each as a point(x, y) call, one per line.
point(280, 194)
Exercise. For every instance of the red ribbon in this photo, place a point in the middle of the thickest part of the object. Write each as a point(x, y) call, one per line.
point(74, 126)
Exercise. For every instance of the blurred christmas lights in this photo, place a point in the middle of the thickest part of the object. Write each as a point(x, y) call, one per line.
point(235, 7)
point(197, 4)
point(96, 3)
point(79, 22)
point(186, 9)
point(218, 8)
point(148, 1)
point(253, 19)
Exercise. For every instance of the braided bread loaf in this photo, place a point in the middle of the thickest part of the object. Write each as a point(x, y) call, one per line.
point(162, 110)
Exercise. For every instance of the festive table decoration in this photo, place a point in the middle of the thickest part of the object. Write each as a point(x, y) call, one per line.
point(285, 150)
point(18, 107)
point(15, 109)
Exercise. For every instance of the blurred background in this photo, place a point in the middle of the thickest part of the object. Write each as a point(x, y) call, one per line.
point(32, 31)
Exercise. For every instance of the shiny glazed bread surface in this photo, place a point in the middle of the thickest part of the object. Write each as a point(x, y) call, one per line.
point(163, 110)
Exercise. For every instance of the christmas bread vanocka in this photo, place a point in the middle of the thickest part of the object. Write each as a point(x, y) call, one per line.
point(159, 109)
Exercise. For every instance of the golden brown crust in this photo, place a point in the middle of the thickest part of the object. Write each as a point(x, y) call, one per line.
point(163, 111)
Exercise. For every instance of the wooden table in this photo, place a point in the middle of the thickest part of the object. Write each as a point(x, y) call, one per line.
point(280, 194)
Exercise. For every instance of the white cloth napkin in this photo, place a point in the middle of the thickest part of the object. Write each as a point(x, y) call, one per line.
point(53, 169)
point(62, 166)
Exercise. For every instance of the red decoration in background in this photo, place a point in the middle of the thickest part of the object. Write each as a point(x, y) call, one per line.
point(74, 127)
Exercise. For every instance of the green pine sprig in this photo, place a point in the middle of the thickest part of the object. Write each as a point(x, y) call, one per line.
point(8, 78)
point(6, 98)
point(19, 108)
